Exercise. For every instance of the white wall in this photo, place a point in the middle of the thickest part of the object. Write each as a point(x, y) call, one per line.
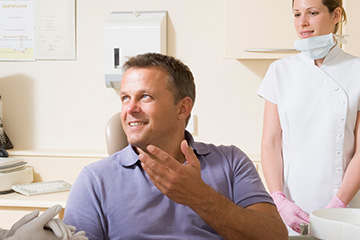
point(65, 104)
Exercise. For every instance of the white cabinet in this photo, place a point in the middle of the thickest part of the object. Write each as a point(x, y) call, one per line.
point(14, 206)
point(351, 28)
point(260, 29)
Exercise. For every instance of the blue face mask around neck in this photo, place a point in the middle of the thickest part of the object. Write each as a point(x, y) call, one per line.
point(315, 47)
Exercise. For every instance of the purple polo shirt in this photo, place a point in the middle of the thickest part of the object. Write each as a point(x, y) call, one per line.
point(114, 198)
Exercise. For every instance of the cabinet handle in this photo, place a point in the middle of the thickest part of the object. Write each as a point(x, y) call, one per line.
point(270, 50)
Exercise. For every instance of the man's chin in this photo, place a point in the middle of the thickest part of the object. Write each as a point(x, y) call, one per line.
point(138, 144)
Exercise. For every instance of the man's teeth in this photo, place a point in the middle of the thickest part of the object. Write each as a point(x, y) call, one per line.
point(136, 124)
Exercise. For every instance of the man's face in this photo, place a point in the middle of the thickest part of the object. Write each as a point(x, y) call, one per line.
point(148, 113)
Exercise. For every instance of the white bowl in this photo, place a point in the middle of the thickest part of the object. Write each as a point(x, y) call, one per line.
point(335, 224)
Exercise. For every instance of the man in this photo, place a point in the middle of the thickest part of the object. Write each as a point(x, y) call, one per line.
point(164, 185)
point(43, 227)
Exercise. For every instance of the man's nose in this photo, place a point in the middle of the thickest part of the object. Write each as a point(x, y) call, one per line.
point(132, 107)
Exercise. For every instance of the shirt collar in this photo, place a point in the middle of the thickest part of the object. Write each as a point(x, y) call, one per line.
point(199, 149)
point(128, 157)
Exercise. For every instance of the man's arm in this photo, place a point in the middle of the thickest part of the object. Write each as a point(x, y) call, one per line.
point(81, 209)
point(184, 185)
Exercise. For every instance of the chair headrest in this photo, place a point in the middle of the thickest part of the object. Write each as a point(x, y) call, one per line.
point(114, 134)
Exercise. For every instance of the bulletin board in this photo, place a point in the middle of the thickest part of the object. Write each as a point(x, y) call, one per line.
point(33, 30)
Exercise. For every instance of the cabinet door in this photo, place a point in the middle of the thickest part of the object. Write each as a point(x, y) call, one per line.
point(351, 28)
point(260, 29)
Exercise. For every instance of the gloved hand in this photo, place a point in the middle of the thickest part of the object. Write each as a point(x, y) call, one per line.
point(289, 211)
point(336, 203)
point(79, 236)
point(59, 228)
point(31, 227)
point(4, 233)
point(25, 219)
point(63, 231)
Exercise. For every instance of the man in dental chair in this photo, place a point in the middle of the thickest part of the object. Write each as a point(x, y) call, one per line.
point(164, 185)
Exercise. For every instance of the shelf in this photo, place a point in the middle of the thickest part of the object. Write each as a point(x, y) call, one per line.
point(58, 153)
point(35, 201)
point(253, 32)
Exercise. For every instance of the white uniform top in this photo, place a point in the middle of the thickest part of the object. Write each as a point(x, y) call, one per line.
point(317, 110)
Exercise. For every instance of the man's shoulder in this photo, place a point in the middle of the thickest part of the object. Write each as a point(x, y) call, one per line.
point(104, 164)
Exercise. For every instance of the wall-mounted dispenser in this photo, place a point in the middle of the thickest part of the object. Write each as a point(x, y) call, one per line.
point(127, 34)
point(4, 139)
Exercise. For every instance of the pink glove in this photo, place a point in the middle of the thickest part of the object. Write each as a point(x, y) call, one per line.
point(289, 211)
point(336, 203)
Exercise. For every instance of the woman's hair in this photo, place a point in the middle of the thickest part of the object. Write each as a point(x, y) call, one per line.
point(332, 5)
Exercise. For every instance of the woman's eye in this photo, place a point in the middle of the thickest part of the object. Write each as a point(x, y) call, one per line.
point(296, 15)
point(313, 13)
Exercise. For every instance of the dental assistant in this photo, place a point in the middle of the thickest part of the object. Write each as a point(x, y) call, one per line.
point(311, 137)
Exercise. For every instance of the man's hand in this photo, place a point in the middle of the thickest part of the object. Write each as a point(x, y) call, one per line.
point(180, 182)
point(183, 184)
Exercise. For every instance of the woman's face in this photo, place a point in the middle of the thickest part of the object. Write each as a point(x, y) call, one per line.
point(312, 18)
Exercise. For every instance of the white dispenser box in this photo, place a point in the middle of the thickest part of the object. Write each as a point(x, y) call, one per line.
point(14, 171)
point(127, 34)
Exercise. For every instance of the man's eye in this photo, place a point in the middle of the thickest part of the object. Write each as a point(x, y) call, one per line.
point(124, 98)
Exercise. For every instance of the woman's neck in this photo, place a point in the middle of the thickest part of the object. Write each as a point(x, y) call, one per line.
point(319, 62)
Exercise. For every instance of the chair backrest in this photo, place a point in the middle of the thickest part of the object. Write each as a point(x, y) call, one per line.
point(114, 134)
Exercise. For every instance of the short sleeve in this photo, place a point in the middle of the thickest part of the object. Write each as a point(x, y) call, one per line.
point(248, 187)
point(267, 89)
point(83, 208)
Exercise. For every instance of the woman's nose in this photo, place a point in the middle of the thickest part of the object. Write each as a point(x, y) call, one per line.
point(304, 21)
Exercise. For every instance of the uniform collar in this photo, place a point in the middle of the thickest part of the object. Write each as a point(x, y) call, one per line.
point(128, 157)
point(334, 52)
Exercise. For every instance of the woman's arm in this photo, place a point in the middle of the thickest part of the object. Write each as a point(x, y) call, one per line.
point(271, 157)
point(273, 168)
point(351, 181)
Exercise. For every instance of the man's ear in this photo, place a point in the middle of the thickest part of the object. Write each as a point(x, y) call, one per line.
point(185, 106)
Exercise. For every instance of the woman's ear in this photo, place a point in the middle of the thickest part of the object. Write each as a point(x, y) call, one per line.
point(185, 106)
point(337, 15)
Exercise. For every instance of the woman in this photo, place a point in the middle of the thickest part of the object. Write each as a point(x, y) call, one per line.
point(311, 137)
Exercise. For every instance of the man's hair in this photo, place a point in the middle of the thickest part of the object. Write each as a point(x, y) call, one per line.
point(180, 78)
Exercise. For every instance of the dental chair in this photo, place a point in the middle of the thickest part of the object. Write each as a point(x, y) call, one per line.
point(114, 135)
